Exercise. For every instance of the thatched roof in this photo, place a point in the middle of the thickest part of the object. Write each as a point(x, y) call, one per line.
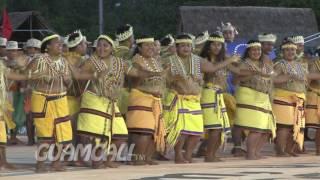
point(28, 24)
point(18, 18)
point(250, 21)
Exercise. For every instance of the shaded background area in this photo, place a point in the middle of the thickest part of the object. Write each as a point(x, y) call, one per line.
point(250, 21)
point(157, 17)
point(28, 24)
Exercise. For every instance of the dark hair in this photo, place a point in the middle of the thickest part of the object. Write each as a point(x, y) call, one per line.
point(206, 49)
point(136, 50)
point(286, 40)
point(246, 52)
point(200, 34)
point(165, 41)
point(317, 51)
point(183, 36)
point(43, 46)
point(73, 49)
point(122, 29)
point(72, 37)
point(104, 40)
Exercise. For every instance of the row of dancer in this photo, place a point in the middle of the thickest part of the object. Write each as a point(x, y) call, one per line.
point(162, 101)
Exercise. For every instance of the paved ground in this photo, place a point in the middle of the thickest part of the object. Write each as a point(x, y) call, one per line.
point(307, 166)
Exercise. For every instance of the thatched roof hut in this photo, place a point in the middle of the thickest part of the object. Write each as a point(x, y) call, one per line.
point(250, 21)
point(28, 24)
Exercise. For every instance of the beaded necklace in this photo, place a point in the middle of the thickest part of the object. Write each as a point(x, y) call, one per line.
point(151, 64)
point(218, 78)
point(113, 79)
point(116, 73)
point(253, 66)
point(178, 66)
point(263, 68)
point(258, 80)
point(57, 69)
point(221, 73)
point(293, 68)
point(98, 63)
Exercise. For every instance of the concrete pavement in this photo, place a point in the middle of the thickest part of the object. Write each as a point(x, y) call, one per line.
point(307, 166)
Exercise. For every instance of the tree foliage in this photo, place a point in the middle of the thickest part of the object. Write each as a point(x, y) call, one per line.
point(157, 17)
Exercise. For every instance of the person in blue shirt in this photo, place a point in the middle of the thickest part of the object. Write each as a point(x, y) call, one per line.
point(233, 46)
point(268, 41)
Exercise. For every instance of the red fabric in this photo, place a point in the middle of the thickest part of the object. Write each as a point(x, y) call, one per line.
point(27, 104)
point(6, 25)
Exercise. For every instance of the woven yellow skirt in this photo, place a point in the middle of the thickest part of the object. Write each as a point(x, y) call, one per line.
point(214, 110)
point(5, 121)
point(288, 108)
point(313, 109)
point(183, 115)
point(99, 117)
point(51, 117)
point(7, 115)
point(73, 104)
point(145, 116)
point(3, 132)
point(254, 111)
